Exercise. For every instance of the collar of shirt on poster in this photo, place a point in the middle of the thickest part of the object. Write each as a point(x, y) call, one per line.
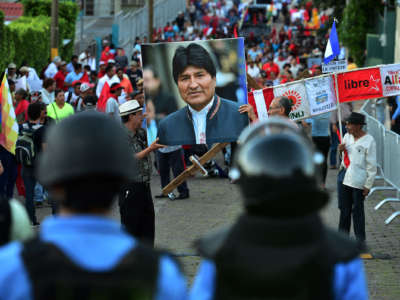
point(200, 122)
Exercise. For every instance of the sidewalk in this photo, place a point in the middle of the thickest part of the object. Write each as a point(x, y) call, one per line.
point(215, 203)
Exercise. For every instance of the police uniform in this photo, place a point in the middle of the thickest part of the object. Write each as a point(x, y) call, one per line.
point(86, 255)
point(279, 248)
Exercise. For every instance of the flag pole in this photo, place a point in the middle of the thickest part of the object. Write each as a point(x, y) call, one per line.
point(338, 107)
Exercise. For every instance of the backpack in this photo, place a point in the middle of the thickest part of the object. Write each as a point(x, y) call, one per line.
point(25, 151)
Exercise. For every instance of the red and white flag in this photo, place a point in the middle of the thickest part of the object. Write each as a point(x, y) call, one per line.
point(260, 101)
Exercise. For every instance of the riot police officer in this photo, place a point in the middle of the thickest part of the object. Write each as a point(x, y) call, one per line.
point(82, 253)
point(279, 248)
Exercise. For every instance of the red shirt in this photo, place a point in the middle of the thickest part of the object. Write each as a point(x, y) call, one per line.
point(60, 78)
point(101, 73)
point(268, 69)
point(22, 108)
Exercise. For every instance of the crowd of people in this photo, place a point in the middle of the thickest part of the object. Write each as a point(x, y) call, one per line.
point(86, 175)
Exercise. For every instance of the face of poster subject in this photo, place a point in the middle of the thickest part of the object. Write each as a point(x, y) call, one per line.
point(196, 87)
point(195, 75)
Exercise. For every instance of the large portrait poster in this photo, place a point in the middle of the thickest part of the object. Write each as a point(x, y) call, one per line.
point(196, 89)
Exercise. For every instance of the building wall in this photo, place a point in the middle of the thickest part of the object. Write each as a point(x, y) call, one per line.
point(397, 36)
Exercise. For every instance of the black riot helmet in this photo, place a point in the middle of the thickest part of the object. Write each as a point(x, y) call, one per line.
point(275, 167)
point(86, 145)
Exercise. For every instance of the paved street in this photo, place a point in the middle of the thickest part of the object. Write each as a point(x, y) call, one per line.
point(215, 203)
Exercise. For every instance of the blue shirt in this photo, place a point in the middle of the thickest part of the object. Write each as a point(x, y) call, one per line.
point(71, 77)
point(94, 243)
point(320, 124)
point(348, 283)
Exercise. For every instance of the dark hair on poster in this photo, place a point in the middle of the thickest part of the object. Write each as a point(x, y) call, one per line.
point(192, 55)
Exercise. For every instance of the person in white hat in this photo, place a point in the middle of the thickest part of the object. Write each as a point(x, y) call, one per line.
point(135, 200)
point(86, 90)
point(12, 72)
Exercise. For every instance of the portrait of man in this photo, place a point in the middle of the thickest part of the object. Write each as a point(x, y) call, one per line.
point(206, 117)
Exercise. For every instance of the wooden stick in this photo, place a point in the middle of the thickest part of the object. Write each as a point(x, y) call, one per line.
point(193, 168)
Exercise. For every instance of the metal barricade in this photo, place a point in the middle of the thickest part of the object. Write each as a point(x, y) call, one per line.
point(133, 24)
point(387, 155)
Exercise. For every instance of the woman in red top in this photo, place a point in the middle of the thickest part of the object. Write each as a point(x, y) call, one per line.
point(21, 106)
point(60, 76)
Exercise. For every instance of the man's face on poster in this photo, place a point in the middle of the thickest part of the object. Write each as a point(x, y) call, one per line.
point(196, 87)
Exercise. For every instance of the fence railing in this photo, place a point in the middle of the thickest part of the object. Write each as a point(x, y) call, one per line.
point(388, 157)
point(133, 24)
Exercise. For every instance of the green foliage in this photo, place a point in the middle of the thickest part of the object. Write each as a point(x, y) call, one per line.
point(358, 19)
point(68, 13)
point(7, 50)
point(27, 39)
point(31, 41)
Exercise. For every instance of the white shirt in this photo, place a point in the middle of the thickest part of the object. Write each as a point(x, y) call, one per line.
point(253, 71)
point(51, 70)
point(47, 97)
point(112, 108)
point(103, 80)
point(200, 122)
point(73, 99)
point(362, 154)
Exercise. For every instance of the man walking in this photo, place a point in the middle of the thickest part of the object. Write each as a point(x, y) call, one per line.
point(135, 200)
point(82, 253)
point(356, 175)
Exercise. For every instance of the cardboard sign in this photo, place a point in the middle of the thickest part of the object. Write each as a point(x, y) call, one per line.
point(297, 93)
point(321, 95)
point(360, 85)
point(335, 66)
point(390, 76)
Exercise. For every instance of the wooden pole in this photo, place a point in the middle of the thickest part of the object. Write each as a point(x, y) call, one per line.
point(54, 29)
point(193, 168)
point(338, 107)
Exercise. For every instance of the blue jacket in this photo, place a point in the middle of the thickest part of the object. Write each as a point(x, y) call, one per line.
point(224, 124)
point(93, 243)
point(348, 282)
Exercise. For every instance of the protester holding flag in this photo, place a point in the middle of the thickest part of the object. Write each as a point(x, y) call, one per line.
point(356, 175)
point(8, 138)
point(345, 110)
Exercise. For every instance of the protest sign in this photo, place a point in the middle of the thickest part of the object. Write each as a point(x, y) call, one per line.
point(312, 61)
point(296, 92)
point(390, 76)
point(335, 66)
point(321, 94)
point(359, 85)
point(21, 83)
point(195, 81)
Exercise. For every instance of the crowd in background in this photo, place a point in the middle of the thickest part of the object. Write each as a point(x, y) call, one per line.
point(284, 42)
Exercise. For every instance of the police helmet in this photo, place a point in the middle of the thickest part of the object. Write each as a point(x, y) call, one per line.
point(88, 144)
point(276, 169)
